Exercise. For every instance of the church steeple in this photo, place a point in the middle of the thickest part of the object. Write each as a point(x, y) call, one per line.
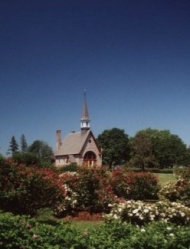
point(85, 120)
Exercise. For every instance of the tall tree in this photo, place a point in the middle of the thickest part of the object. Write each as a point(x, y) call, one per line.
point(115, 145)
point(23, 143)
point(13, 147)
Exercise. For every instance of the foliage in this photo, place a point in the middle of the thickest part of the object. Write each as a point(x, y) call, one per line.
point(87, 189)
point(168, 149)
point(182, 172)
point(178, 190)
point(115, 145)
point(142, 152)
point(13, 147)
point(19, 232)
point(71, 168)
point(23, 143)
point(93, 189)
point(42, 150)
point(2, 159)
point(27, 158)
point(140, 213)
point(23, 232)
point(134, 185)
point(25, 190)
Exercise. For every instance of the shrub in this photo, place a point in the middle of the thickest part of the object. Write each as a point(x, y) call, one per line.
point(88, 189)
point(24, 190)
point(178, 191)
point(19, 232)
point(140, 213)
point(154, 235)
point(68, 168)
point(182, 172)
point(134, 185)
point(26, 158)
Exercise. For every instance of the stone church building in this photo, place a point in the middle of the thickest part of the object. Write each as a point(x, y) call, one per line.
point(78, 147)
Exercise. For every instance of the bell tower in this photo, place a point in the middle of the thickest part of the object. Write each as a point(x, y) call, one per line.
point(85, 120)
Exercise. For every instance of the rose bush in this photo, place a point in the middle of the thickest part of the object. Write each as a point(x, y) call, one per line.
point(24, 190)
point(178, 191)
point(134, 185)
point(89, 189)
point(140, 213)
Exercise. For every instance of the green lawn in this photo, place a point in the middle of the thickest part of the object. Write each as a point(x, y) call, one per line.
point(85, 225)
point(164, 178)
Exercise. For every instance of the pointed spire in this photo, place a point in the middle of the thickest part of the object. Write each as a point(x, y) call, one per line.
point(85, 120)
point(85, 109)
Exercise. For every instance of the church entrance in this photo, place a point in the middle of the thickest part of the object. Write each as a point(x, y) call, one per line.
point(89, 159)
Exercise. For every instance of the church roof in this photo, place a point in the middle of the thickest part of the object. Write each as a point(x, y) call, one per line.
point(73, 143)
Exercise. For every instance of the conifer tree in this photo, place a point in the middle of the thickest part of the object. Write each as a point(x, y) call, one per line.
point(23, 143)
point(13, 148)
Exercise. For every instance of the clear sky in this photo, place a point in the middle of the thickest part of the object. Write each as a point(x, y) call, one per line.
point(131, 56)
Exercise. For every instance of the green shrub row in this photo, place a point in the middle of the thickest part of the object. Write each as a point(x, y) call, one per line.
point(25, 233)
point(151, 170)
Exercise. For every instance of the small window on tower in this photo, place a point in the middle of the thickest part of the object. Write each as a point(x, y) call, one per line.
point(89, 141)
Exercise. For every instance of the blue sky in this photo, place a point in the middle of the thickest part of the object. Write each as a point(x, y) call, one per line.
point(131, 56)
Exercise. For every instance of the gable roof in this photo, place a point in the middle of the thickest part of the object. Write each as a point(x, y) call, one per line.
point(73, 143)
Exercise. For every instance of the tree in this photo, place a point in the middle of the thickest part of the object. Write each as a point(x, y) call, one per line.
point(13, 147)
point(187, 157)
point(115, 145)
point(168, 149)
point(23, 143)
point(27, 158)
point(42, 150)
point(142, 151)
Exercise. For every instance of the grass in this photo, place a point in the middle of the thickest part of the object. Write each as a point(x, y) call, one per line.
point(165, 178)
point(85, 225)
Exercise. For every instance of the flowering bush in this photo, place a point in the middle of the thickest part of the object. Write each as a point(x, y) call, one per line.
point(24, 190)
point(178, 191)
point(134, 185)
point(140, 213)
point(89, 190)
point(182, 173)
point(69, 205)
point(92, 189)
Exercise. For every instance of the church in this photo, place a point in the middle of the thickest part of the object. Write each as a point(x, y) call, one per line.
point(79, 147)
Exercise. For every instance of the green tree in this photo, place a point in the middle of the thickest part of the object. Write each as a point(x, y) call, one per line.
point(142, 151)
point(187, 157)
point(27, 158)
point(23, 143)
point(42, 150)
point(168, 149)
point(115, 145)
point(13, 147)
